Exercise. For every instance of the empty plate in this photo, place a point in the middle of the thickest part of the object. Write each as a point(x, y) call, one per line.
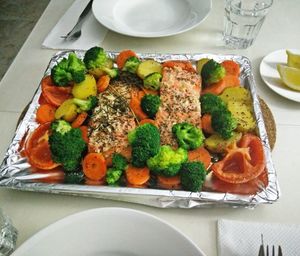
point(151, 18)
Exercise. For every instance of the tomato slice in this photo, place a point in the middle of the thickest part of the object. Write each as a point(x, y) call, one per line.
point(38, 150)
point(53, 94)
point(242, 164)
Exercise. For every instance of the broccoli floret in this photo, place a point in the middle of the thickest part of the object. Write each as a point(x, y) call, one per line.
point(74, 178)
point(192, 176)
point(211, 103)
point(96, 59)
point(86, 105)
point(223, 123)
point(150, 104)
point(119, 162)
point(68, 70)
point(212, 72)
point(168, 161)
point(113, 175)
point(145, 143)
point(131, 64)
point(152, 81)
point(188, 136)
point(66, 145)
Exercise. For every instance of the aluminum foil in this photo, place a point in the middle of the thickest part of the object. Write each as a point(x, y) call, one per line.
point(15, 171)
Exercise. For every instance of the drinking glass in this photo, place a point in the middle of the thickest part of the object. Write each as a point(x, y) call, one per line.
point(8, 235)
point(243, 20)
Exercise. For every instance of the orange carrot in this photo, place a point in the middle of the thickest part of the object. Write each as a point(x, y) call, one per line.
point(149, 91)
point(79, 120)
point(126, 152)
point(168, 182)
point(206, 124)
point(137, 176)
point(231, 67)
point(94, 182)
point(215, 88)
point(135, 105)
point(148, 120)
point(186, 65)
point(231, 81)
point(123, 57)
point(45, 113)
point(200, 154)
point(94, 166)
point(84, 131)
point(103, 83)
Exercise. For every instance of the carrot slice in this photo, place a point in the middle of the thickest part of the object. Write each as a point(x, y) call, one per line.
point(168, 182)
point(148, 120)
point(79, 120)
point(84, 131)
point(53, 94)
point(94, 166)
point(137, 176)
point(135, 105)
point(231, 67)
point(103, 83)
point(184, 64)
point(123, 57)
point(149, 91)
point(231, 81)
point(206, 124)
point(200, 154)
point(215, 88)
point(45, 113)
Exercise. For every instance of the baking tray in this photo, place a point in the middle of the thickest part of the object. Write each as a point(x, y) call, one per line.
point(15, 171)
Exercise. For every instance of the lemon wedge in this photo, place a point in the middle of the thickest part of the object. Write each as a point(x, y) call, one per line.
point(293, 59)
point(290, 76)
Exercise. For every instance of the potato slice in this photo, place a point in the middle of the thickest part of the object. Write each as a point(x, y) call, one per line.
point(67, 111)
point(216, 144)
point(148, 67)
point(236, 94)
point(86, 88)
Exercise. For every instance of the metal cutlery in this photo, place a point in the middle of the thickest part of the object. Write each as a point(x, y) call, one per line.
point(268, 251)
point(75, 32)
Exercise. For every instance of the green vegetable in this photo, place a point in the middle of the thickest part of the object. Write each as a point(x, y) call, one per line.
point(119, 162)
point(212, 72)
point(211, 103)
point(68, 70)
point(188, 136)
point(168, 161)
point(223, 123)
point(113, 175)
point(131, 64)
point(152, 81)
point(145, 143)
point(66, 145)
point(150, 104)
point(74, 178)
point(97, 61)
point(192, 176)
point(86, 105)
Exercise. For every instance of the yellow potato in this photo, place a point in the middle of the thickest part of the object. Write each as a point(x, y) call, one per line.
point(97, 72)
point(216, 144)
point(86, 88)
point(66, 111)
point(200, 64)
point(148, 67)
point(236, 94)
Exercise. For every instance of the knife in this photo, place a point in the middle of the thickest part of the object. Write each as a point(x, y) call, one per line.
point(75, 32)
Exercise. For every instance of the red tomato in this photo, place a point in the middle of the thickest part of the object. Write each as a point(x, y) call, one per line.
point(243, 163)
point(54, 95)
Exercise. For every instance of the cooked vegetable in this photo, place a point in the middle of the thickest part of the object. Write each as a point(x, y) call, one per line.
point(66, 111)
point(200, 155)
point(123, 56)
point(168, 182)
point(86, 88)
point(113, 175)
point(119, 162)
point(168, 161)
point(152, 81)
point(135, 105)
point(236, 94)
point(150, 104)
point(200, 64)
point(206, 124)
point(94, 166)
point(136, 175)
point(131, 64)
point(223, 123)
point(98, 63)
point(188, 136)
point(68, 70)
point(211, 103)
point(45, 113)
point(212, 72)
point(74, 178)
point(79, 120)
point(192, 175)
point(84, 131)
point(67, 145)
point(231, 67)
point(145, 143)
point(103, 83)
point(86, 105)
point(148, 67)
point(215, 143)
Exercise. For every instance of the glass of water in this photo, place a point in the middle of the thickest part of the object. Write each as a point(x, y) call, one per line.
point(243, 20)
point(8, 235)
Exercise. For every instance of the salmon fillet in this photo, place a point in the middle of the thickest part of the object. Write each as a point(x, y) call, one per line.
point(179, 93)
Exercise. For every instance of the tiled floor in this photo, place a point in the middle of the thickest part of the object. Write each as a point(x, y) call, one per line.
point(17, 19)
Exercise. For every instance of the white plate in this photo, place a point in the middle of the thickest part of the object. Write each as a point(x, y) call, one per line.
point(270, 75)
point(151, 18)
point(109, 232)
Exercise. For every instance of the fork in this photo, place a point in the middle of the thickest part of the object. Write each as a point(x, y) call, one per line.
point(75, 32)
point(268, 253)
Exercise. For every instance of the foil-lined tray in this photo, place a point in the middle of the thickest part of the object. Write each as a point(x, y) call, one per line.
point(15, 171)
